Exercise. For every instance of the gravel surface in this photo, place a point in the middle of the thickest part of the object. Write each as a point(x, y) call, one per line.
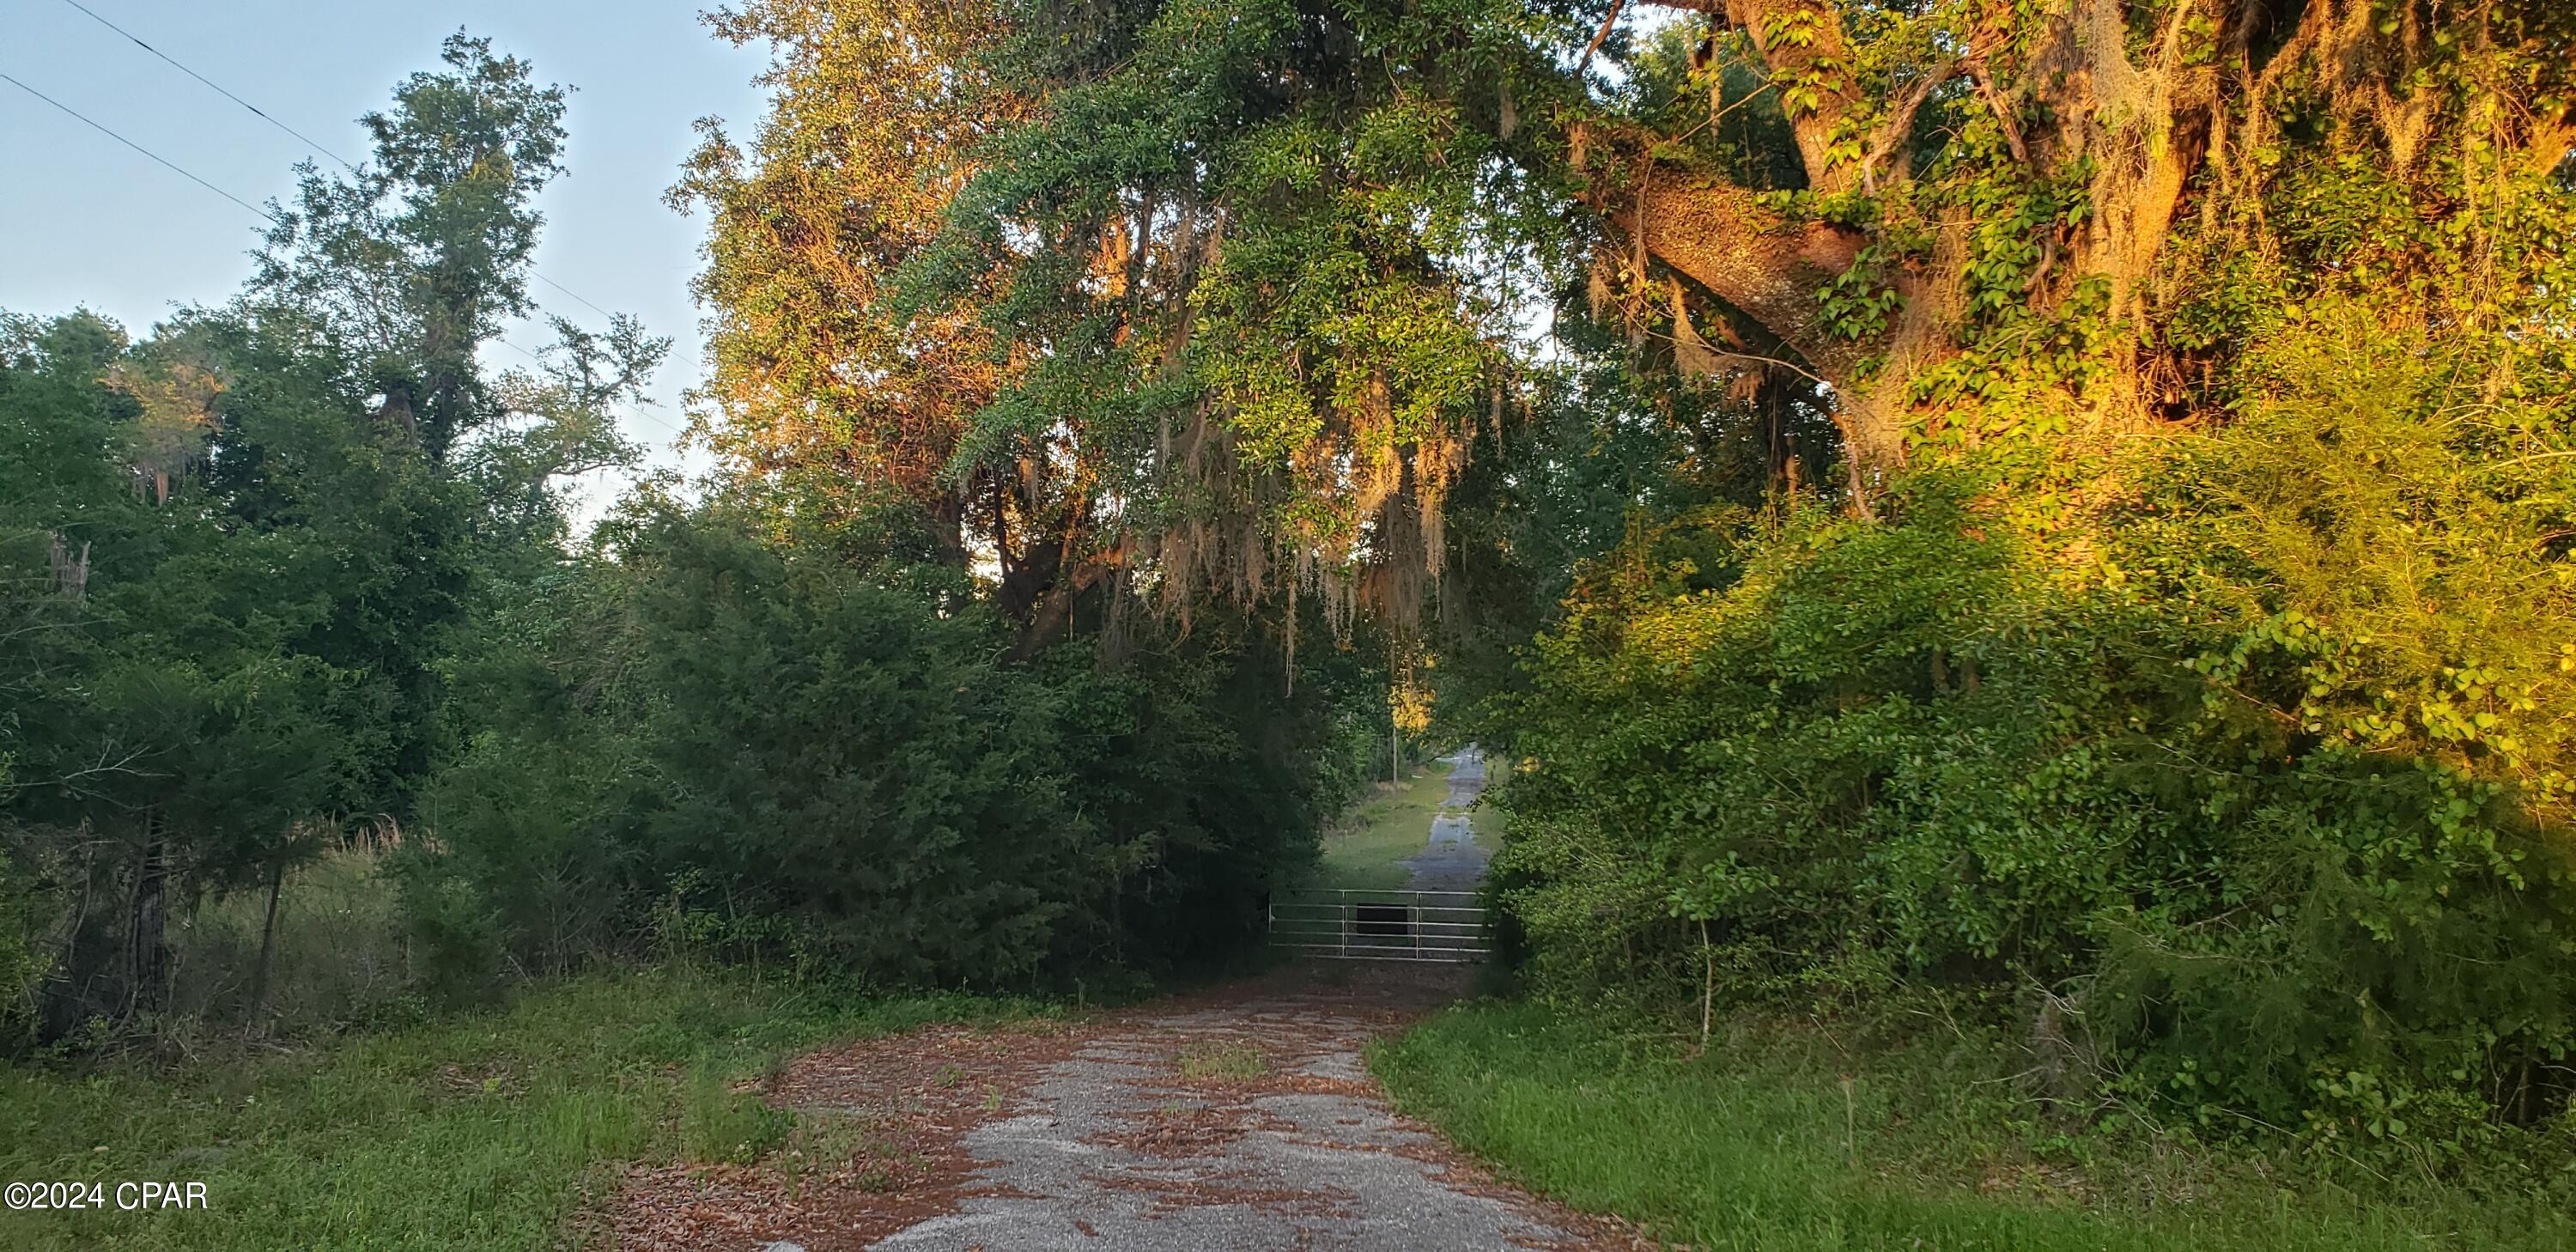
point(1240, 1118)
point(1120, 1146)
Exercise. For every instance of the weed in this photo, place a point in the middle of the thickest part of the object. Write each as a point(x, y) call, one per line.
point(1228, 1062)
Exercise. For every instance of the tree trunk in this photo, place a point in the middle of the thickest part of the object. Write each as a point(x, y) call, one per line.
point(146, 948)
point(267, 945)
point(1052, 616)
point(1802, 42)
point(1028, 579)
point(71, 574)
point(948, 526)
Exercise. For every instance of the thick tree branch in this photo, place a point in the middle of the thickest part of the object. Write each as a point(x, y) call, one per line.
point(1054, 612)
point(1898, 126)
point(1769, 268)
point(1802, 42)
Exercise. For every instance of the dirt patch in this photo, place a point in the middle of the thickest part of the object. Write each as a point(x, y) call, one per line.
point(906, 1101)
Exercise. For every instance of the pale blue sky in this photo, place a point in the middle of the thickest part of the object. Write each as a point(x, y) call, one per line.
point(86, 221)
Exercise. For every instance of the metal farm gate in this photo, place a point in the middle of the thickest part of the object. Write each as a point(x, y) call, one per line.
point(1379, 925)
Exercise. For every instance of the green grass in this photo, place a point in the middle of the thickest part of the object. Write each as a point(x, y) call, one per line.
point(1779, 1139)
point(1217, 1059)
point(481, 1131)
point(1365, 851)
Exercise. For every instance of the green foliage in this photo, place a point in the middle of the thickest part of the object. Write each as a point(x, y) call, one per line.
point(338, 953)
point(170, 733)
point(235, 555)
point(1213, 226)
point(421, 254)
point(2267, 793)
point(834, 756)
point(299, 567)
point(789, 758)
point(2201, 685)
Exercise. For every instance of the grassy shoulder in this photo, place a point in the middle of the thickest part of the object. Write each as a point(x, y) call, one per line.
point(1367, 848)
point(1779, 1138)
point(487, 1130)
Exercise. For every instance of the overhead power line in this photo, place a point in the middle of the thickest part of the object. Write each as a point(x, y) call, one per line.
point(175, 168)
point(219, 89)
point(574, 294)
point(101, 128)
point(256, 111)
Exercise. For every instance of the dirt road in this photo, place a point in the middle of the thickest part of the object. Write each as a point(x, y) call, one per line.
point(1238, 1119)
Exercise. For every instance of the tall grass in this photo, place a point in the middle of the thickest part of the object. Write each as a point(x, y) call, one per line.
point(1790, 1139)
point(339, 950)
point(483, 1131)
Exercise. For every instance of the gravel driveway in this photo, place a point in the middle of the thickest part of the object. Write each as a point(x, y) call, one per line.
point(1242, 1118)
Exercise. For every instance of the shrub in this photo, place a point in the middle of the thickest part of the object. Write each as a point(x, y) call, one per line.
point(2252, 791)
point(777, 752)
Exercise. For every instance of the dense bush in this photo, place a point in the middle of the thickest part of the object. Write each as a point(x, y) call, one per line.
point(786, 756)
point(2251, 791)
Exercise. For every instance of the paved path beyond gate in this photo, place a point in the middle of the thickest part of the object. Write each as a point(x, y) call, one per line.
point(1453, 859)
